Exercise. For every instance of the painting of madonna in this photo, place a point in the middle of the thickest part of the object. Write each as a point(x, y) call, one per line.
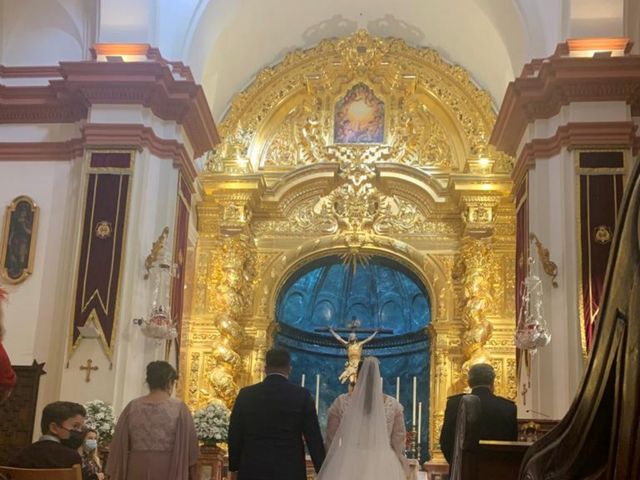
point(18, 243)
point(359, 117)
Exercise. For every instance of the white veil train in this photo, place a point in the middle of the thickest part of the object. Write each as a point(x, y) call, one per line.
point(361, 447)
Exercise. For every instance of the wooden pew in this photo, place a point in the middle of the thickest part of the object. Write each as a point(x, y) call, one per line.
point(482, 459)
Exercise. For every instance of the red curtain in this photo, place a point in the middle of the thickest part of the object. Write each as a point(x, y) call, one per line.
point(601, 187)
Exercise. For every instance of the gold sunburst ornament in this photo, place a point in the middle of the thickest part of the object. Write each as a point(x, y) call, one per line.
point(355, 255)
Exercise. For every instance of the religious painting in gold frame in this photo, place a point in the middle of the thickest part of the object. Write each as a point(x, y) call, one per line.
point(359, 117)
point(19, 239)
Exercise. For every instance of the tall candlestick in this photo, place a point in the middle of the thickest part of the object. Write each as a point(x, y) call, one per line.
point(303, 379)
point(398, 388)
point(317, 391)
point(419, 423)
point(415, 392)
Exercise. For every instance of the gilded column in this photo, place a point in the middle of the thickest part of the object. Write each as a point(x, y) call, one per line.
point(474, 269)
point(230, 276)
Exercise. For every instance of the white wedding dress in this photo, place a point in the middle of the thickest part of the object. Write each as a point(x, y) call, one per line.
point(365, 433)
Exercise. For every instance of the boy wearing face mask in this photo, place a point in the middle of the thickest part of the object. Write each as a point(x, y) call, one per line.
point(63, 433)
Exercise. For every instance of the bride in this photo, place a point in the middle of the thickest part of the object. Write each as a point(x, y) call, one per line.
point(365, 432)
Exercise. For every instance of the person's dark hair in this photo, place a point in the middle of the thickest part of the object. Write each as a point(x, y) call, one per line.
point(368, 393)
point(481, 374)
point(58, 412)
point(160, 374)
point(277, 359)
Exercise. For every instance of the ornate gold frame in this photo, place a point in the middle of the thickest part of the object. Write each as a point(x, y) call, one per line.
point(423, 198)
point(10, 209)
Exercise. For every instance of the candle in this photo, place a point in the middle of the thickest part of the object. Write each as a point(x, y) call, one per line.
point(419, 422)
point(382, 384)
point(317, 391)
point(303, 379)
point(398, 388)
point(415, 391)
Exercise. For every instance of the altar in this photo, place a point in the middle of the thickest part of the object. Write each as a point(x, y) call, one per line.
point(354, 179)
point(382, 307)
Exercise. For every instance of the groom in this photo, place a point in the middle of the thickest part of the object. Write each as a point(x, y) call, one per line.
point(267, 424)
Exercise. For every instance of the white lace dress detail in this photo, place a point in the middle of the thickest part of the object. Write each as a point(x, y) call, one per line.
point(394, 414)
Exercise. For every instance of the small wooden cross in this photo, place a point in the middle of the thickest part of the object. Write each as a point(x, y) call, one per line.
point(88, 368)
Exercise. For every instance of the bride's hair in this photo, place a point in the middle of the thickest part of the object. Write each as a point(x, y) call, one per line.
point(368, 392)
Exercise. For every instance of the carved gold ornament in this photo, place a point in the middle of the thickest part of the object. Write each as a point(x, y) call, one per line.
point(550, 268)
point(103, 230)
point(602, 234)
point(286, 118)
point(156, 248)
point(421, 186)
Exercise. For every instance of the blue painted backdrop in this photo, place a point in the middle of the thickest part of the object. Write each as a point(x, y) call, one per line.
point(382, 294)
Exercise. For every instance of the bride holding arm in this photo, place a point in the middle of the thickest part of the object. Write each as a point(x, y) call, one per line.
point(365, 435)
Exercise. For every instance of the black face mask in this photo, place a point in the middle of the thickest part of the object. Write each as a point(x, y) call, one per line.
point(75, 440)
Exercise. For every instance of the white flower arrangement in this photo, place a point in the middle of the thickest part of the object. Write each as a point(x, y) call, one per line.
point(212, 423)
point(101, 419)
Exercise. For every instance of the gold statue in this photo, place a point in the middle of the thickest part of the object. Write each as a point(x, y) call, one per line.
point(354, 354)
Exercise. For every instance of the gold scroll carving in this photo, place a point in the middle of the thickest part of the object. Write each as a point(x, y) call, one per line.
point(278, 193)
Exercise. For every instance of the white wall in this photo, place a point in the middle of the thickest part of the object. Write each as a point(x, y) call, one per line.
point(35, 316)
point(557, 369)
point(45, 32)
point(151, 207)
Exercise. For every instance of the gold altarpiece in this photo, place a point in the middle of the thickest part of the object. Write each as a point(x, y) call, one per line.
point(280, 192)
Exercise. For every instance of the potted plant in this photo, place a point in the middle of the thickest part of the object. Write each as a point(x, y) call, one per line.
point(212, 424)
point(212, 427)
point(100, 418)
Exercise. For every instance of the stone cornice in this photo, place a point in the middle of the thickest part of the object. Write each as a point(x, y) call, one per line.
point(132, 136)
point(545, 86)
point(150, 84)
point(576, 135)
point(139, 136)
point(41, 151)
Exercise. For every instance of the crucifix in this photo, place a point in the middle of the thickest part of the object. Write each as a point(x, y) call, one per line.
point(353, 345)
point(88, 368)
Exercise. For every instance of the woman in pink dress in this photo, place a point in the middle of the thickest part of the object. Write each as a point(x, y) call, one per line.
point(155, 438)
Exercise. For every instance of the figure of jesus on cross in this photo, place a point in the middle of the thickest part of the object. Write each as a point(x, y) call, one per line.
point(354, 347)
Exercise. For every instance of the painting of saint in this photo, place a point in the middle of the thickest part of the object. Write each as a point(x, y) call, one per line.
point(359, 117)
point(18, 242)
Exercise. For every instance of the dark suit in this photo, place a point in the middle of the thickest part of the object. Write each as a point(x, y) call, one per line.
point(267, 424)
point(498, 420)
point(46, 454)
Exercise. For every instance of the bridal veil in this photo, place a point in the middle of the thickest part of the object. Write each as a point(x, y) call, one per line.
point(361, 448)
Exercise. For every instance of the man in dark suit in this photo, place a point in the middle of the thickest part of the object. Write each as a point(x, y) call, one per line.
point(498, 419)
point(268, 422)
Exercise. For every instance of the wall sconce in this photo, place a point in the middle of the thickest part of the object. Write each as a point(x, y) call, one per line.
point(160, 269)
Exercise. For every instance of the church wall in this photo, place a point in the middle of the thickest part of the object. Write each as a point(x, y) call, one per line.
point(137, 26)
point(45, 32)
point(37, 312)
point(596, 18)
point(151, 207)
point(553, 190)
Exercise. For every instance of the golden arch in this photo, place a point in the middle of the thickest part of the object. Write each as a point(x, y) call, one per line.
point(278, 194)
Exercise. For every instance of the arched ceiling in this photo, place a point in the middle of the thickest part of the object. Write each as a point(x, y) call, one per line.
point(229, 41)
